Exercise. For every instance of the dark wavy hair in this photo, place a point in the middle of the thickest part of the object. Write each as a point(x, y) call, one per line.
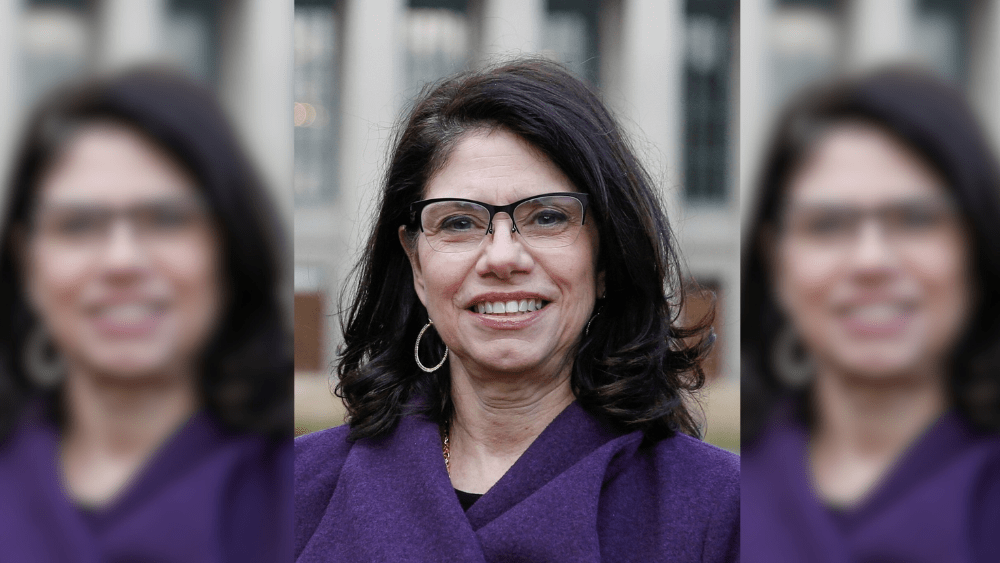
point(933, 119)
point(636, 367)
point(246, 368)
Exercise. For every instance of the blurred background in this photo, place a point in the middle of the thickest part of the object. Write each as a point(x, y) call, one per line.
point(668, 69)
point(787, 44)
point(241, 48)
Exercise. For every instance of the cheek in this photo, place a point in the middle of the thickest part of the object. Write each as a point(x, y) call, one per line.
point(945, 276)
point(803, 280)
point(443, 276)
point(197, 280)
point(54, 283)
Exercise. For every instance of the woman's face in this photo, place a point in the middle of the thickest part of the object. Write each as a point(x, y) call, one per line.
point(122, 261)
point(872, 263)
point(499, 168)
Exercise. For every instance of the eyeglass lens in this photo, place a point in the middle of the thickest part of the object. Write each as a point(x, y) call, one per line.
point(85, 226)
point(543, 222)
point(835, 225)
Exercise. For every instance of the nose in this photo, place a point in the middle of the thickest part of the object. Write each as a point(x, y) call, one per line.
point(504, 253)
point(123, 253)
point(874, 254)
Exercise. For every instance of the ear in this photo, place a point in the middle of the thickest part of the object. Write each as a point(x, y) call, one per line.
point(23, 265)
point(410, 247)
point(600, 285)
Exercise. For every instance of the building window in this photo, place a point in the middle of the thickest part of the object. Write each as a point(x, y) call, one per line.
point(316, 99)
point(702, 297)
point(942, 29)
point(570, 36)
point(56, 38)
point(436, 42)
point(707, 103)
point(190, 40)
point(310, 318)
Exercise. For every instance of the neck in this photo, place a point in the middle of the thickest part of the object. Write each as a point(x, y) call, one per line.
point(114, 424)
point(496, 419)
point(864, 424)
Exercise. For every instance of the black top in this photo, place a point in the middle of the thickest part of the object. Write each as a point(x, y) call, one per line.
point(467, 499)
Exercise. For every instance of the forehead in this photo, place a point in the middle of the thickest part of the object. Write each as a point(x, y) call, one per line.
point(496, 167)
point(862, 164)
point(113, 164)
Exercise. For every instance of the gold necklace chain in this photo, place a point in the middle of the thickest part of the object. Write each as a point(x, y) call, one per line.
point(446, 448)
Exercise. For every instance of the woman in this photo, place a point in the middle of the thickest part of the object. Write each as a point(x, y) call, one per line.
point(511, 353)
point(144, 368)
point(870, 331)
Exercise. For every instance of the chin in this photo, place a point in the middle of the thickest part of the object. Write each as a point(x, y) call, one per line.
point(883, 366)
point(132, 364)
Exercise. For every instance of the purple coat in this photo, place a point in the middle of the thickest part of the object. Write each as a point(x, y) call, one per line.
point(940, 503)
point(205, 496)
point(581, 492)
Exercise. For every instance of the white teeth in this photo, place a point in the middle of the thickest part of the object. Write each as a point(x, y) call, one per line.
point(508, 307)
point(876, 313)
point(126, 313)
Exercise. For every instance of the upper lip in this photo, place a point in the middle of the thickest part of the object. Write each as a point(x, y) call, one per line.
point(852, 304)
point(127, 301)
point(493, 297)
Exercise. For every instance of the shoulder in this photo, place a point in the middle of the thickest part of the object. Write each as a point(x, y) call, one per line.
point(706, 481)
point(319, 458)
point(320, 455)
point(678, 494)
point(698, 466)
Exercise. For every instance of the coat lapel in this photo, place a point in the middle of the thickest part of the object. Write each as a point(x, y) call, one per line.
point(394, 502)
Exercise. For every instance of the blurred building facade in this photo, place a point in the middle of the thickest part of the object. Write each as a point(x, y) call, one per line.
point(243, 48)
point(787, 44)
point(668, 69)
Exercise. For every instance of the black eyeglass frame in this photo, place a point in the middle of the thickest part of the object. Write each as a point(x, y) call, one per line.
point(417, 207)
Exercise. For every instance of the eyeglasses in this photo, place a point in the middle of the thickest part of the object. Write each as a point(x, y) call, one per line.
point(910, 223)
point(458, 225)
point(84, 227)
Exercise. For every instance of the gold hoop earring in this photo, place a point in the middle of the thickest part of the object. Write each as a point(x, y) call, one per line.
point(791, 361)
point(416, 350)
point(42, 363)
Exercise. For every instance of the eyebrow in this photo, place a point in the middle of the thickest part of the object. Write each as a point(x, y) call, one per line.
point(84, 204)
point(830, 204)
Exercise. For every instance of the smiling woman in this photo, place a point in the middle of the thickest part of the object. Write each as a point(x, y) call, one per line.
point(517, 384)
point(870, 332)
point(144, 368)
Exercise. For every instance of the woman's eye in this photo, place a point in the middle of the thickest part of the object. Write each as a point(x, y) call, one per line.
point(915, 218)
point(78, 225)
point(165, 218)
point(827, 225)
point(549, 218)
point(458, 223)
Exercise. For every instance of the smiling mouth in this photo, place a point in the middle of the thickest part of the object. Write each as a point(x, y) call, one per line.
point(878, 313)
point(128, 314)
point(511, 307)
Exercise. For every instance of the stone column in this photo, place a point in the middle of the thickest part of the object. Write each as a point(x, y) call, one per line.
point(256, 88)
point(642, 75)
point(984, 66)
point(506, 28)
point(128, 31)
point(10, 102)
point(878, 32)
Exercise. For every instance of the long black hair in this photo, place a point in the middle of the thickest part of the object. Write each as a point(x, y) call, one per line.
point(246, 369)
point(933, 119)
point(637, 365)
